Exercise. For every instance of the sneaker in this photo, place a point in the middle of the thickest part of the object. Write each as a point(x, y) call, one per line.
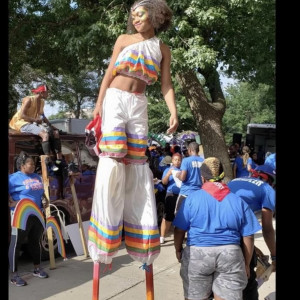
point(40, 273)
point(162, 240)
point(18, 281)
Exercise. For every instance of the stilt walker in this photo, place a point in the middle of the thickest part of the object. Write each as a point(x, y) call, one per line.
point(124, 188)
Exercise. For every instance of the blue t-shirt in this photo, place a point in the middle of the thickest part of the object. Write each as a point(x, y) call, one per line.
point(255, 192)
point(171, 186)
point(191, 165)
point(29, 186)
point(271, 161)
point(213, 223)
point(241, 170)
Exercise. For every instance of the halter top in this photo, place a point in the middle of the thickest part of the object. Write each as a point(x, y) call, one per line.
point(140, 60)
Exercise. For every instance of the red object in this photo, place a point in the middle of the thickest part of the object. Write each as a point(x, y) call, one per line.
point(93, 136)
point(149, 283)
point(42, 88)
point(96, 281)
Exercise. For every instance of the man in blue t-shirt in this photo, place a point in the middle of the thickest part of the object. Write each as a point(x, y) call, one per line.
point(189, 174)
point(216, 221)
point(258, 193)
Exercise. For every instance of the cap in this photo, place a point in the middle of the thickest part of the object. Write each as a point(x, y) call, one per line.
point(267, 169)
point(167, 160)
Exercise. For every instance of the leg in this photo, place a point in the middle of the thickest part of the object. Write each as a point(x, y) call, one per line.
point(106, 222)
point(168, 215)
point(35, 230)
point(16, 241)
point(57, 144)
point(140, 219)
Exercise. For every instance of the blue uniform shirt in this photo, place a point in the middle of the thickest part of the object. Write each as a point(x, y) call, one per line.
point(26, 186)
point(254, 191)
point(191, 165)
point(213, 223)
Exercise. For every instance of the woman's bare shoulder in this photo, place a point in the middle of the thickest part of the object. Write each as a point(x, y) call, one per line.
point(165, 49)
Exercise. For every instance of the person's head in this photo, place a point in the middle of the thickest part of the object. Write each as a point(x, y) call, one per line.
point(176, 160)
point(245, 154)
point(212, 170)
point(254, 156)
point(193, 148)
point(265, 173)
point(41, 90)
point(156, 12)
point(25, 163)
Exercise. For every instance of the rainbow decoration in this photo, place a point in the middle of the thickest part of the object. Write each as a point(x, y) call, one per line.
point(24, 208)
point(51, 222)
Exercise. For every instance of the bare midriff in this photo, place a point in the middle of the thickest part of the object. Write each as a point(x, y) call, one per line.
point(128, 84)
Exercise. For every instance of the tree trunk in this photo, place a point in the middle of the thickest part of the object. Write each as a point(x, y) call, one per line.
point(208, 116)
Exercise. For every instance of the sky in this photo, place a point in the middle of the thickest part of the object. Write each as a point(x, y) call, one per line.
point(49, 110)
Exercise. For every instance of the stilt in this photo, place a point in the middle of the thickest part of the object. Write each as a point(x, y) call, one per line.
point(149, 283)
point(96, 281)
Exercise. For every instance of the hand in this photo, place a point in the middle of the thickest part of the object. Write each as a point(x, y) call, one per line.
point(247, 271)
point(173, 124)
point(97, 110)
point(178, 255)
point(274, 265)
point(12, 203)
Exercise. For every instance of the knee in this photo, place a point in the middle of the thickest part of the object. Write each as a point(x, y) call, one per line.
point(56, 134)
point(44, 135)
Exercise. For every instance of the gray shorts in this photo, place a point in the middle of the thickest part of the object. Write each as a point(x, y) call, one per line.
point(219, 269)
point(32, 128)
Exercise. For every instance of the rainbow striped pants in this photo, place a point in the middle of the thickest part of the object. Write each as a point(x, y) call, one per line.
point(124, 193)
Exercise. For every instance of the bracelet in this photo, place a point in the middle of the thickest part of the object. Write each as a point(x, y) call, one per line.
point(273, 258)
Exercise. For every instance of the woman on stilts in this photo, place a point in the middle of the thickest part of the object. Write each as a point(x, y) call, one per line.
point(124, 191)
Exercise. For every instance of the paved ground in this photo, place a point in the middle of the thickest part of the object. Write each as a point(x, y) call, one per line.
point(72, 279)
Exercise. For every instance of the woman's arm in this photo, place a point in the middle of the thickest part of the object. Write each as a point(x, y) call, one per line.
point(165, 179)
point(108, 77)
point(167, 87)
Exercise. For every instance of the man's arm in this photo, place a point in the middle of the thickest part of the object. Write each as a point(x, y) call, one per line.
point(181, 175)
point(248, 248)
point(269, 232)
point(178, 241)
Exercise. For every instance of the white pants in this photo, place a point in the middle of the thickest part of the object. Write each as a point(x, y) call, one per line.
point(124, 193)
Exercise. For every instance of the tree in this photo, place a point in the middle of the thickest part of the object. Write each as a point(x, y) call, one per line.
point(65, 39)
point(247, 104)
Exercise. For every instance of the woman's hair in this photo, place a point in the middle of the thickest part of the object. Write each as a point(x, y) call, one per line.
point(212, 169)
point(245, 155)
point(22, 159)
point(177, 154)
point(160, 15)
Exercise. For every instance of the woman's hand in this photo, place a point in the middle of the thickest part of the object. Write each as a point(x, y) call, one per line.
point(97, 110)
point(173, 124)
point(12, 203)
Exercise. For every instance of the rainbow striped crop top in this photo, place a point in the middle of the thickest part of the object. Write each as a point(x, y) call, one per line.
point(140, 60)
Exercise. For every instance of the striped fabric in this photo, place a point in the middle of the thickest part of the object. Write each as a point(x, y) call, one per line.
point(119, 144)
point(136, 148)
point(141, 241)
point(140, 60)
point(114, 143)
point(106, 238)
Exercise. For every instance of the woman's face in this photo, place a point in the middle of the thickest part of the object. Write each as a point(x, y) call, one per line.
point(176, 161)
point(140, 19)
point(28, 167)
